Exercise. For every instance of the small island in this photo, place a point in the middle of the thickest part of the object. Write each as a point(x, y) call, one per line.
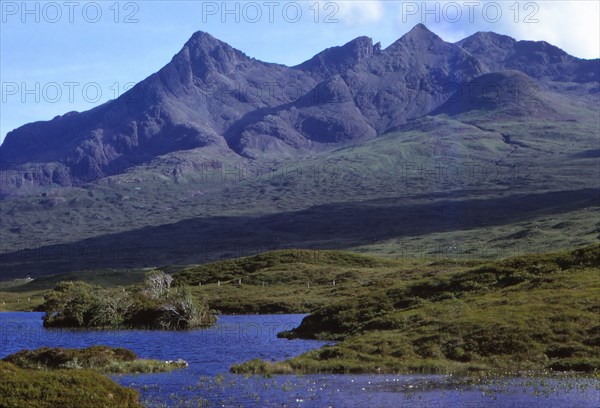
point(102, 359)
point(153, 305)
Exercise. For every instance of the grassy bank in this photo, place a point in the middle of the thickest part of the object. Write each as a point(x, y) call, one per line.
point(61, 388)
point(533, 313)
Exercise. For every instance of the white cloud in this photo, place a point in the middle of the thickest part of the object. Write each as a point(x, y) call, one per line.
point(357, 11)
point(571, 25)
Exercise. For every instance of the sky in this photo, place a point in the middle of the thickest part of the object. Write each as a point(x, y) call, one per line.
point(62, 56)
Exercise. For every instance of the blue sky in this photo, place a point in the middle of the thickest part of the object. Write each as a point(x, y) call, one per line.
point(60, 56)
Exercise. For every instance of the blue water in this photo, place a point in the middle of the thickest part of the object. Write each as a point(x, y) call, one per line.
point(210, 352)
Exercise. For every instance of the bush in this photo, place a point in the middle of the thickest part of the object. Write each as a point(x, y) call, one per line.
point(153, 305)
point(180, 311)
point(70, 304)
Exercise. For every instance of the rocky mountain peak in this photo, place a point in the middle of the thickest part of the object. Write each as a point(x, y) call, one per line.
point(419, 37)
point(486, 39)
point(202, 39)
point(205, 53)
point(541, 50)
point(420, 30)
point(336, 60)
point(358, 49)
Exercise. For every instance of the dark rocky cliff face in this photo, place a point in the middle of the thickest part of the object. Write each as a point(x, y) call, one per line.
point(212, 95)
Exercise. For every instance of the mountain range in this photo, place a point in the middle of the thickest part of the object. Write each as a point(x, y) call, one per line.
point(352, 117)
point(212, 95)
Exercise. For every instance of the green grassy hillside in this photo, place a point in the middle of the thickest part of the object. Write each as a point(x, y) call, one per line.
point(285, 281)
point(481, 185)
point(537, 312)
point(289, 281)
